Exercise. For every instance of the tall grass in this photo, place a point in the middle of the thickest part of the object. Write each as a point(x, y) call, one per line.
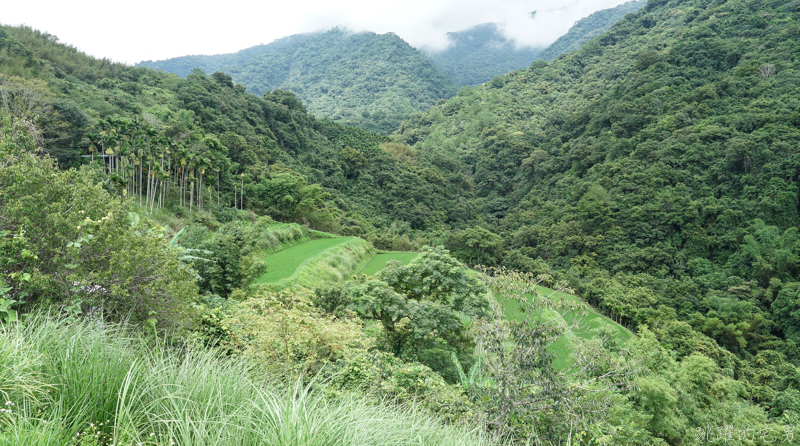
point(91, 383)
point(268, 238)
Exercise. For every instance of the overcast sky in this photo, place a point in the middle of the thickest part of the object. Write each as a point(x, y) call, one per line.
point(160, 29)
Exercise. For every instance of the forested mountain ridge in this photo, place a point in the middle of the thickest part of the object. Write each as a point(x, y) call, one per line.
point(477, 54)
point(267, 145)
point(375, 81)
point(184, 65)
point(363, 79)
point(586, 28)
point(655, 168)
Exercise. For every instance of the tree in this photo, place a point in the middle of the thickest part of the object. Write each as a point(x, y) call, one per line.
point(423, 308)
point(786, 311)
point(79, 244)
point(476, 246)
point(529, 396)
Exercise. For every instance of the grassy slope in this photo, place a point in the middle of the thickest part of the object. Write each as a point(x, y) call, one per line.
point(586, 326)
point(283, 264)
point(379, 261)
point(315, 262)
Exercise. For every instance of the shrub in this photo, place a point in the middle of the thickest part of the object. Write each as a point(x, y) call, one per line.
point(67, 240)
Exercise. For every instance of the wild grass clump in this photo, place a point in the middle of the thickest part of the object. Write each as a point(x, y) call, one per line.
point(91, 383)
point(265, 236)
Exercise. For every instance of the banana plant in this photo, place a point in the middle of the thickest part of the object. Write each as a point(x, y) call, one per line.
point(185, 256)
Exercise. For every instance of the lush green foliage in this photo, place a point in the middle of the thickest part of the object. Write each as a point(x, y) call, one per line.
point(203, 141)
point(232, 257)
point(475, 55)
point(379, 261)
point(66, 241)
point(587, 28)
point(365, 79)
point(96, 384)
point(183, 66)
point(654, 170)
point(286, 261)
point(316, 262)
point(418, 307)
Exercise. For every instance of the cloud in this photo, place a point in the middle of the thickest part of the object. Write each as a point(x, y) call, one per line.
point(425, 24)
point(548, 24)
point(157, 29)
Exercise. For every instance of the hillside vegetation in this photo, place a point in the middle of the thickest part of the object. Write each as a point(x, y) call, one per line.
point(587, 28)
point(475, 55)
point(652, 173)
point(365, 79)
point(654, 169)
point(317, 262)
point(206, 133)
point(375, 81)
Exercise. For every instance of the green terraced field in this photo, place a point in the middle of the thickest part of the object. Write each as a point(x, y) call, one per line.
point(586, 328)
point(379, 261)
point(284, 263)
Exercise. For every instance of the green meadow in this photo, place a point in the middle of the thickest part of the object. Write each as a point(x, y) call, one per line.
point(585, 325)
point(283, 264)
point(379, 261)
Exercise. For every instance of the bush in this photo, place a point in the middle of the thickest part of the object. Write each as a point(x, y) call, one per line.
point(67, 241)
point(285, 331)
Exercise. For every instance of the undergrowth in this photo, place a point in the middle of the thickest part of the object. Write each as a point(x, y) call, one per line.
point(90, 383)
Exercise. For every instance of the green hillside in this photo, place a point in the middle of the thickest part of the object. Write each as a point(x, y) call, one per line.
point(477, 54)
point(379, 261)
point(587, 324)
point(183, 66)
point(338, 177)
point(588, 27)
point(316, 262)
point(365, 79)
point(653, 171)
point(644, 152)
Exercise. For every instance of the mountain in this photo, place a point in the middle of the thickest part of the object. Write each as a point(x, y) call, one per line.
point(247, 141)
point(375, 81)
point(184, 65)
point(365, 79)
point(655, 169)
point(588, 27)
point(479, 53)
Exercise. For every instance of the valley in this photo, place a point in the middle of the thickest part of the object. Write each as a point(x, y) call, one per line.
point(335, 239)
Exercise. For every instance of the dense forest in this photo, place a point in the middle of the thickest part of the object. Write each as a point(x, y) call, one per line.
point(475, 55)
point(588, 27)
point(650, 177)
point(365, 79)
point(654, 169)
point(375, 81)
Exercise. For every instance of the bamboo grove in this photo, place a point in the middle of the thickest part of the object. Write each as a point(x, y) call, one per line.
point(143, 162)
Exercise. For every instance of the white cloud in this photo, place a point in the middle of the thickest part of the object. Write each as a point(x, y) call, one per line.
point(150, 29)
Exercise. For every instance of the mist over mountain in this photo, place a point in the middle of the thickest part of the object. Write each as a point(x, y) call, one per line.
point(365, 79)
point(477, 54)
point(586, 28)
point(653, 172)
point(375, 81)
